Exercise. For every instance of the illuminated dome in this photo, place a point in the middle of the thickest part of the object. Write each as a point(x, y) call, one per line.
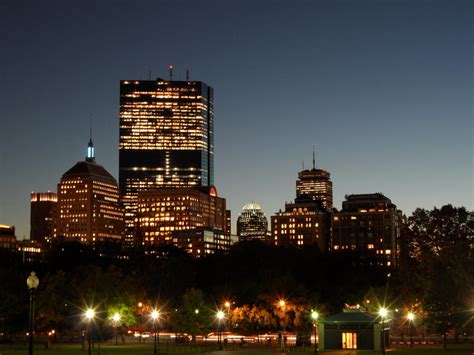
point(252, 206)
point(252, 222)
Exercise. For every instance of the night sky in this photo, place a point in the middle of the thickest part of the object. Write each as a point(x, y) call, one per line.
point(382, 89)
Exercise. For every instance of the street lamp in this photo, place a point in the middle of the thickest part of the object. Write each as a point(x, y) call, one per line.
point(411, 317)
point(116, 319)
point(32, 282)
point(90, 313)
point(314, 316)
point(282, 304)
point(155, 315)
point(220, 317)
point(383, 313)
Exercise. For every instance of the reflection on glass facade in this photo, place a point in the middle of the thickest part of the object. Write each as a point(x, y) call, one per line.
point(166, 139)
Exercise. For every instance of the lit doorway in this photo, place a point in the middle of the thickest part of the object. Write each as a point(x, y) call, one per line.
point(349, 340)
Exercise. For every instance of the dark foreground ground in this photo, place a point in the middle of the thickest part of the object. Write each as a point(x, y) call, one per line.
point(75, 349)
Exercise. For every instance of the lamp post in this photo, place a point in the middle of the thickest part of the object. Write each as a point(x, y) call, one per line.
point(32, 282)
point(314, 316)
point(411, 317)
point(155, 315)
point(383, 313)
point(282, 304)
point(116, 319)
point(220, 317)
point(90, 313)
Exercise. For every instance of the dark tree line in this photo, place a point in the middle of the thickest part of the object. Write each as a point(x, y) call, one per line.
point(436, 271)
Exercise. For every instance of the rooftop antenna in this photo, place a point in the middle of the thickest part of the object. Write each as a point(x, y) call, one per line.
point(90, 147)
point(187, 74)
point(171, 72)
point(314, 159)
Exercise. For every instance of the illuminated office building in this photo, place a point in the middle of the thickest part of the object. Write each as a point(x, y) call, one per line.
point(252, 223)
point(88, 207)
point(43, 208)
point(192, 218)
point(316, 184)
point(369, 224)
point(303, 223)
point(166, 139)
point(7, 237)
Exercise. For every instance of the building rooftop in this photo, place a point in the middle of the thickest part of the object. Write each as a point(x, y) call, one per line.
point(89, 169)
point(351, 317)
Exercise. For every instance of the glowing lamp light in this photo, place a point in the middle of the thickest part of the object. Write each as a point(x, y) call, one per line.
point(227, 304)
point(220, 315)
point(155, 315)
point(314, 315)
point(116, 317)
point(90, 314)
point(282, 303)
point(383, 312)
point(410, 316)
point(196, 311)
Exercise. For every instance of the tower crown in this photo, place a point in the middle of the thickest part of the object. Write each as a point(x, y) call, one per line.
point(90, 152)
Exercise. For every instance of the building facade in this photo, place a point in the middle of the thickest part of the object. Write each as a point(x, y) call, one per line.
point(185, 217)
point(303, 223)
point(88, 207)
point(252, 223)
point(317, 185)
point(166, 139)
point(43, 208)
point(7, 237)
point(369, 224)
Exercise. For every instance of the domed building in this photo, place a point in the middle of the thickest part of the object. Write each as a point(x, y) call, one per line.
point(252, 223)
point(88, 207)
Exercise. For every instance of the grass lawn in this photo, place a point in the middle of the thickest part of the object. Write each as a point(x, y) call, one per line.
point(75, 349)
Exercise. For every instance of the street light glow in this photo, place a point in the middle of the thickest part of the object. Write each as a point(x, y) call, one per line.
point(90, 314)
point(155, 314)
point(410, 316)
point(116, 317)
point(220, 315)
point(282, 303)
point(196, 311)
point(383, 312)
point(227, 304)
point(314, 315)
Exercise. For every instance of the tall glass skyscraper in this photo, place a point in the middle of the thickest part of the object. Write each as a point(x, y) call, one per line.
point(166, 139)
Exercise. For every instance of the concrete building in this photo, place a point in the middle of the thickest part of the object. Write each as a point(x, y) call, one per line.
point(369, 224)
point(88, 207)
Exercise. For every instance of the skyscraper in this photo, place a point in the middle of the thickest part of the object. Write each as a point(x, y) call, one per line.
point(43, 208)
point(252, 223)
point(166, 139)
point(88, 207)
point(315, 184)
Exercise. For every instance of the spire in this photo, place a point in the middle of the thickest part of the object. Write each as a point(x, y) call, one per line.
point(314, 159)
point(90, 147)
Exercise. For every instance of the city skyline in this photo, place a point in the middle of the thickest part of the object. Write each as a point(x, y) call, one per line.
point(383, 92)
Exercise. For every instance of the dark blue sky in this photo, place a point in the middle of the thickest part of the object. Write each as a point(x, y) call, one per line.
point(382, 88)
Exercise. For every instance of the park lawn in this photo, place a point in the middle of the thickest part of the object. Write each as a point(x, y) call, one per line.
point(134, 349)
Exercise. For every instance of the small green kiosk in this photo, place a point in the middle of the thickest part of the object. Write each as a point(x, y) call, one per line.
point(351, 329)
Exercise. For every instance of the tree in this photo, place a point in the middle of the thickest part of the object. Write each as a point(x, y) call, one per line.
point(441, 244)
point(194, 316)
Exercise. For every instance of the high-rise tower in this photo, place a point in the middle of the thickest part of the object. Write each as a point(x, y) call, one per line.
point(166, 139)
point(88, 207)
point(315, 184)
